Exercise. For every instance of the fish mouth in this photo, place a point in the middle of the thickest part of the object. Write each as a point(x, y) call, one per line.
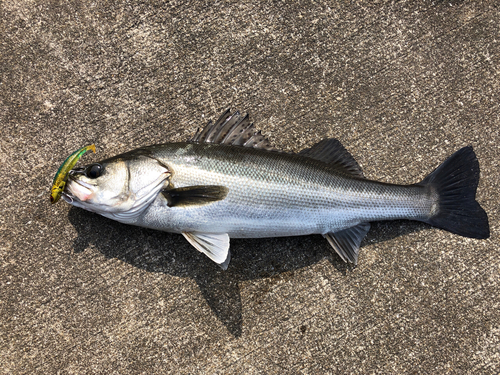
point(76, 190)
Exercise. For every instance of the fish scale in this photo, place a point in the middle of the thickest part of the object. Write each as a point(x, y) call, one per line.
point(276, 195)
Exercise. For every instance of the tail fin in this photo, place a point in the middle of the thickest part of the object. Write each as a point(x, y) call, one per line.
point(455, 182)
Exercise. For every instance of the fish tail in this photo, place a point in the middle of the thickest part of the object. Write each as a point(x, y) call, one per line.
point(455, 183)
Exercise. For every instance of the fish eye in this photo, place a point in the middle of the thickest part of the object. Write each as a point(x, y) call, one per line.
point(94, 171)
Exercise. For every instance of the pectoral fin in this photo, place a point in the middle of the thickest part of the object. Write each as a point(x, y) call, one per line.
point(213, 245)
point(194, 195)
point(346, 242)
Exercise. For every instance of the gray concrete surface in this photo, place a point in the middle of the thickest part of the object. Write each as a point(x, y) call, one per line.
point(401, 84)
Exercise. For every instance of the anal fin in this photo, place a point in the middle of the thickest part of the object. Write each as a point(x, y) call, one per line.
point(346, 242)
point(213, 245)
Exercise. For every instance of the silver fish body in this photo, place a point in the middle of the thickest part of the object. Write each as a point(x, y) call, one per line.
point(228, 182)
point(274, 194)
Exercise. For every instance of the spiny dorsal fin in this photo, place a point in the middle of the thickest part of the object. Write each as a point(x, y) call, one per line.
point(232, 130)
point(332, 152)
point(194, 195)
point(346, 242)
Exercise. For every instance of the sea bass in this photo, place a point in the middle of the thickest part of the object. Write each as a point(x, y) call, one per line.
point(228, 182)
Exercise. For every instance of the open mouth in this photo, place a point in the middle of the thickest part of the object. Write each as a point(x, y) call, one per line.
point(76, 189)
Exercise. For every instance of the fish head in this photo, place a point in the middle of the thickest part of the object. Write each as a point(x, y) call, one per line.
point(121, 187)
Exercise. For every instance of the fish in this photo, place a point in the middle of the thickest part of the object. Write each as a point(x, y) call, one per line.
point(228, 181)
point(61, 177)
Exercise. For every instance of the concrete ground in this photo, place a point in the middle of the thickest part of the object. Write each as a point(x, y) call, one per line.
point(402, 84)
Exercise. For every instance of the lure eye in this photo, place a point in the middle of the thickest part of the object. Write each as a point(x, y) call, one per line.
point(94, 171)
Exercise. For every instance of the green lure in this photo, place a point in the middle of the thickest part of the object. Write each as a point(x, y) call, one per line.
point(62, 173)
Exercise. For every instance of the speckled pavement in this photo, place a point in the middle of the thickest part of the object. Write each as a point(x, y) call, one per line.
point(402, 84)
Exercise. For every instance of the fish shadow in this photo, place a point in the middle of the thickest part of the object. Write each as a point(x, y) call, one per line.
point(162, 252)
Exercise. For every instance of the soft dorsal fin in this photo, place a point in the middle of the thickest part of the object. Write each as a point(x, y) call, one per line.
point(346, 242)
point(332, 152)
point(213, 245)
point(232, 130)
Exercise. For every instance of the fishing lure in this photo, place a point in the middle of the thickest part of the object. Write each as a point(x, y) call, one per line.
point(61, 176)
